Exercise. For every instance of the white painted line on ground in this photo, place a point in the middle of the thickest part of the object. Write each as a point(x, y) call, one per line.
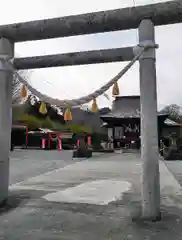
point(99, 192)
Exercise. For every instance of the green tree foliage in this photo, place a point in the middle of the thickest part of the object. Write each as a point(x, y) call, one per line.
point(29, 112)
point(35, 122)
point(78, 128)
point(16, 85)
point(32, 121)
point(173, 111)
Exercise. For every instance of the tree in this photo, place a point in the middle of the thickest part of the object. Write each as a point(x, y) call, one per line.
point(173, 111)
point(16, 85)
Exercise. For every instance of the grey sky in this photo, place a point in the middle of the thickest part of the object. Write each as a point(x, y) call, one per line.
point(71, 82)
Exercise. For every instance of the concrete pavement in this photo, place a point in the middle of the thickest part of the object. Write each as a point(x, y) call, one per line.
point(92, 199)
point(29, 163)
point(176, 169)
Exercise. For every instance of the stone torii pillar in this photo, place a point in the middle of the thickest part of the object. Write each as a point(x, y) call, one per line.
point(149, 128)
point(6, 77)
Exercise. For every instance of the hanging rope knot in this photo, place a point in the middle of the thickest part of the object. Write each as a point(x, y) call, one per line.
point(145, 49)
point(148, 44)
point(4, 66)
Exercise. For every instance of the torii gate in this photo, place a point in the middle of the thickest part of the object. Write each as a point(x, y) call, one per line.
point(121, 19)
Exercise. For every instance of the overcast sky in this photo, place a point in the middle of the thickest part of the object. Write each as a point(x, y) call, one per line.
point(71, 82)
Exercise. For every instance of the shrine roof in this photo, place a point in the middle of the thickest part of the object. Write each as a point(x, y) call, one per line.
point(169, 122)
point(119, 115)
point(125, 107)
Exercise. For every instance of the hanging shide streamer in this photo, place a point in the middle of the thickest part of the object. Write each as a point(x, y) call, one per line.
point(67, 114)
point(24, 92)
point(43, 108)
point(94, 106)
point(115, 90)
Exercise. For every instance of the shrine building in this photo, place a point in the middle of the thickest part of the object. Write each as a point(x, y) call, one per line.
point(123, 122)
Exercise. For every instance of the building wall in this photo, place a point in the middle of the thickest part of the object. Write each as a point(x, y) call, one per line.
point(131, 130)
point(126, 112)
point(170, 130)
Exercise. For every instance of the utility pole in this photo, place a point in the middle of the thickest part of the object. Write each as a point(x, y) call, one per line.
point(150, 185)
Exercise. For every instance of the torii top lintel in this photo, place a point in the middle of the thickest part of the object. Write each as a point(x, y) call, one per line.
point(105, 21)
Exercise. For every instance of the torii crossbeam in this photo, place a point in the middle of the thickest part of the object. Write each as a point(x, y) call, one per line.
point(97, 22)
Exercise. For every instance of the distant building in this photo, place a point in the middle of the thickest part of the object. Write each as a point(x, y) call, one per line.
point(123, 122)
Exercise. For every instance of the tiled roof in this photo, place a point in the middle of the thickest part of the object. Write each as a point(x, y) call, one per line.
point(125, 107)
point(171, 123)
point(125, 115)
point(121, 115)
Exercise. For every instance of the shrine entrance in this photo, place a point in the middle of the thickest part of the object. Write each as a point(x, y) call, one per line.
point(124, 133)
point(127, 135)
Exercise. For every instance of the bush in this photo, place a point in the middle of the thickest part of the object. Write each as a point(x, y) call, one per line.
point(46, 123)
point(35, 122)
point(32, 121)
point(57, 126)
point(96, 140)
point(77, 128)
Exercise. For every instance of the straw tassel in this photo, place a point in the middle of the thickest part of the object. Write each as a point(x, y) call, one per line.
point(115, 90)
point(24, 92)
point(68, 114)
point(43, 108)
point(94, 106)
